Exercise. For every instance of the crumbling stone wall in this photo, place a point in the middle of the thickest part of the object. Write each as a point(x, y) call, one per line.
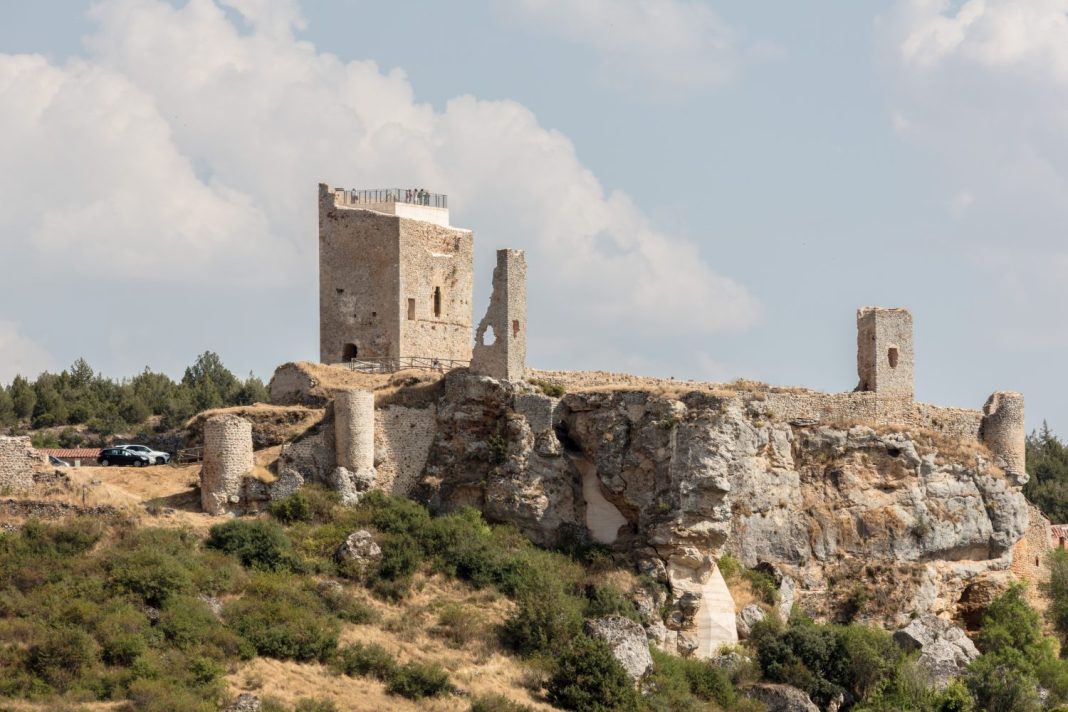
point(391, 287)
point(228, 458)
point(1030, 552)
point(885, 360)
point(402, 444)
point(504, 358)
point(18, 461)
point(1004, 431)
point(354, 429)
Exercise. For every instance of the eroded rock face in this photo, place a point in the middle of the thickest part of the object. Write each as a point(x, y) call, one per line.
point(359, 547)
point(628, 642)
point(673, 483)
point(945, 649)
point(781, 698)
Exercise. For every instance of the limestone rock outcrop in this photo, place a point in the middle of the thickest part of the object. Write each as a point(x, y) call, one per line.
point(781, 698)
point(627, 641)
point(675, 481)
point(945, 649)
point(359, 547)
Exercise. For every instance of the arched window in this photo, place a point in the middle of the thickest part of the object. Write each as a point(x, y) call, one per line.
point(349, 352)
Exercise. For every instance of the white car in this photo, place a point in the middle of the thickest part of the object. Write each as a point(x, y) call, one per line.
point(156, 457)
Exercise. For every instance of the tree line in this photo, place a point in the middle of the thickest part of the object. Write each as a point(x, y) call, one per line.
point(1047, 465)
point(79, 396)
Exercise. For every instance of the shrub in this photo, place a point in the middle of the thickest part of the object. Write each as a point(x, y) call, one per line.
point(60, 655)
point(418, 680)
point(258, 544)
point(308, 504)
point(283, 621)
point(165, 696)
point(68, 539)
point(497, 703)
point(545, 620)
point(308, 704)
point(587, 677)
point(346, 606)
point(191, 625)
point(155, 576)
point(553, 390)
point(606, 600)
point(364, 660)
point(459, 625)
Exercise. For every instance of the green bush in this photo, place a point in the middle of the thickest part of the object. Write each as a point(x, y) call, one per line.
point(545, 619)
point(308, 704)
point(346, 606)
point(587, 677)
point(154, 576)
point(497, 703)
point(166, 696)
point(370, 660)
point(59, 656)
point(308, 504)
point(281, 620)
point(258, 544)
point(418, 680)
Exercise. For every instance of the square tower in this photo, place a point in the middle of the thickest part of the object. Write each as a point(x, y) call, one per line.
point(395, 280)
point(884, 351)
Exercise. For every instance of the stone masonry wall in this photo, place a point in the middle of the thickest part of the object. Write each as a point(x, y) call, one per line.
point(391, 286)
point(18, 461)
point(885, 359)
point(1004, 431)
point(227, 459)
point(506, 357)
point(402, 444)
point(1029, 553)
point(359, 281)
point(354, 429)
point(436, 283)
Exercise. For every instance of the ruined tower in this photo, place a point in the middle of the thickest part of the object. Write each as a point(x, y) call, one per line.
point(885, 360)
point(501, 339)
point(395, 279)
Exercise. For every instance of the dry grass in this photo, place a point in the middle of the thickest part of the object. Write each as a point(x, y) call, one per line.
point(410, 632)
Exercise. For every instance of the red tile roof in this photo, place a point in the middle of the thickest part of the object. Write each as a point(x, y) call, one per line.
point(84, 453)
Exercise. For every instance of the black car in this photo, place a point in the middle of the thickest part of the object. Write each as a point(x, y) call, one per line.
point(121, 456)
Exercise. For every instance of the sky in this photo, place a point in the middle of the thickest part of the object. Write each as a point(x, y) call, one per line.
point(705, 189)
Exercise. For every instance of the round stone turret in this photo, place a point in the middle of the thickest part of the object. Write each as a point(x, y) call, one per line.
point(354, 429)
point(227, 459)
point(1004, 432)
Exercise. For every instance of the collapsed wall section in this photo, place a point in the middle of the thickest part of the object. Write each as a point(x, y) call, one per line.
point(18, 461)
point(228, 457)
point(504, 358)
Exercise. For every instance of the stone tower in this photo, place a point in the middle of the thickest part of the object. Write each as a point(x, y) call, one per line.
point(395, 280)
point(505, 356)
point(885, 361)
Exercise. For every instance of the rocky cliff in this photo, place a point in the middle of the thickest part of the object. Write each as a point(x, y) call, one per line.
point(894, 520)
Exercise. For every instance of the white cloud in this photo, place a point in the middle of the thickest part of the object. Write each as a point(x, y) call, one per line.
point(983, 86)
point(20, 354)
point(187, 146)
point(682, 43)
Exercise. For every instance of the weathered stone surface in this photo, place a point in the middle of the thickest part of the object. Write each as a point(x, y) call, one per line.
point(227, 459)
point(18, 461)
point(391, 286)
point(359, 547)
point(505, 356)
point(781, 698)
point(628, 642)
point(287, 484)
point(245, 702)
point(945, 649)
point(747, 618)
point(350, 485)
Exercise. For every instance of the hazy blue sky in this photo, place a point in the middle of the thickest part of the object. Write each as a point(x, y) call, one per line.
point(704, 189)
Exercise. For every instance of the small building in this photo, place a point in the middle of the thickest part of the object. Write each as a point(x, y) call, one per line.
point(75, 457)
point(1059, 535)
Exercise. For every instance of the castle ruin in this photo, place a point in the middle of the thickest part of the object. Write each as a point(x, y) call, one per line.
point(395, 280)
